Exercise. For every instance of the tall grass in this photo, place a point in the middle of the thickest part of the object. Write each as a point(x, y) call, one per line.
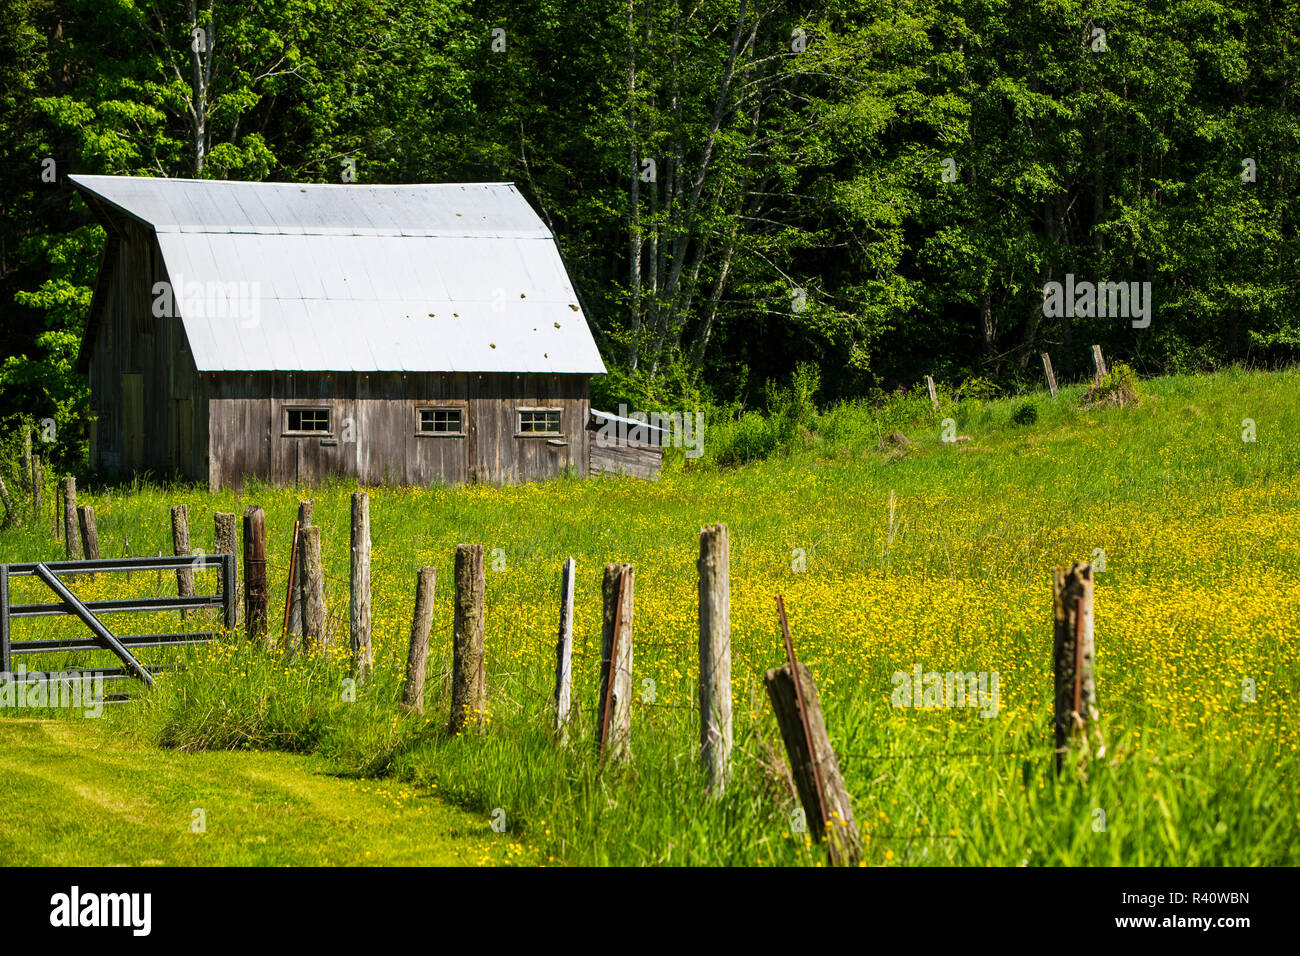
point(1199, 531)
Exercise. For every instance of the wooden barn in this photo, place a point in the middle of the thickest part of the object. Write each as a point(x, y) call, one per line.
point(409, 334)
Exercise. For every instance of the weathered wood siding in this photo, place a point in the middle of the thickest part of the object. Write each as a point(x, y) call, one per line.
point(147, 398)
point(628, 457)
point(373, 434)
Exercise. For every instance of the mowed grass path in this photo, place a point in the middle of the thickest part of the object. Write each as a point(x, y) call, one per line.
point(76, 795)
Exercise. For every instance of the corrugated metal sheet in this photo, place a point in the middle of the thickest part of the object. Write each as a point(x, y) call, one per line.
point(437, 278)
point(632, 422)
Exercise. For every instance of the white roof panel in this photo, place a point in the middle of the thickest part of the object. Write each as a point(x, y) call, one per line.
point(282, 276)
point(209, 205)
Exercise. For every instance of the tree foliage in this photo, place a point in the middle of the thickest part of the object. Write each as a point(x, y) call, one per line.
point(880, 190)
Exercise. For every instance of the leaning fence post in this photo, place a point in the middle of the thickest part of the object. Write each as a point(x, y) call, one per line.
point(255, 594)
point(817, 777)
point(89, 533)
point(831, 814)
point(934, 398)
point(224, 540)
point(313, 592)
point(1098, 363)
point(294, 628)
point(181, 548)
point(468, 680)
point(564, 654)
point(68, 488)
point(714, 567)
point(614, 719)
point(359, 601)
point(417, 656)
point(1072, 653)
point(1051, 377)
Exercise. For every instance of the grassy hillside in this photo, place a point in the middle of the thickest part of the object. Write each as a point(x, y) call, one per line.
point(1200, 532)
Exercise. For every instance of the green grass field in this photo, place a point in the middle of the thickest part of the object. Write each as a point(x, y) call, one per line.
point(1196, 634)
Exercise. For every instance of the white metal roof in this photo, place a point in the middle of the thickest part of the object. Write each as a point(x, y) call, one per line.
point(610, 416)
point(288, 277)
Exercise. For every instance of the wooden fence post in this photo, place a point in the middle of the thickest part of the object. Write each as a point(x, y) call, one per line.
point(10, 515)
point(934, 397)
point(313, 592)
point(89, 533)
point(1098, 363)
point(614, 718)
point(830, 813)
point(1072, 653)
point(1051, 377)
point(294, 628)
point(181, 548)
point(224, 542)
point(26, 479)
point(714, 568)
point(468, 678)
point(564, 654)
point(256, 610)
point(817, 777)
point(417, 656)
point(359, 604)
point(68, 487)
point(37, 480)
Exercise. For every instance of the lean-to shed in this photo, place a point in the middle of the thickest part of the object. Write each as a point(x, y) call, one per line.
point(410, 334)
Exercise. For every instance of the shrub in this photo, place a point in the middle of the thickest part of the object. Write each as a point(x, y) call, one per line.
point(1026, 413)
point(977, 389)
point(1119, 387)
point(793, 409)
point(747, 438)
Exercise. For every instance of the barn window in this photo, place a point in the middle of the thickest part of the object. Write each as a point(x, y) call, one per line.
point(540, 421)
point(307, 421)
point(440, 421)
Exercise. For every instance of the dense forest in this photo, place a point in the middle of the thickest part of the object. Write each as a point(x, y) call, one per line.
point(875, 189)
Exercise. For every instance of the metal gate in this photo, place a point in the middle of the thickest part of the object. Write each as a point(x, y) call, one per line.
point(52, 573)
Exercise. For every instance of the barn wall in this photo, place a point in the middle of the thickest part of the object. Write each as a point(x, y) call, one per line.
point(373, 428)
point(637, 459)
point(146, 394)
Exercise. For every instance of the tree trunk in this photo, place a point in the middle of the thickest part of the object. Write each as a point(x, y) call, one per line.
point(634, 195)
